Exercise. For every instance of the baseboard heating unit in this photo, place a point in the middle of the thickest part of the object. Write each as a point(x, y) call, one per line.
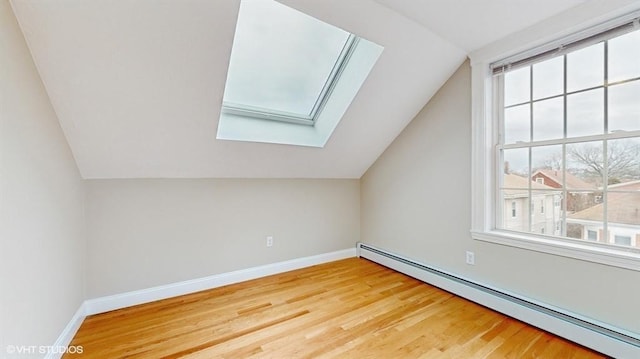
point(601, 337)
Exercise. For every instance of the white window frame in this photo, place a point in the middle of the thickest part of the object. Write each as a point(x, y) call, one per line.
point(549, 34)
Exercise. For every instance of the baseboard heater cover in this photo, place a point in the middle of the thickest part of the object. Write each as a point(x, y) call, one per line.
point(611, 341)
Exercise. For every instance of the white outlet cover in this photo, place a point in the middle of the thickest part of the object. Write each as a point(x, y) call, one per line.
point(471, 258)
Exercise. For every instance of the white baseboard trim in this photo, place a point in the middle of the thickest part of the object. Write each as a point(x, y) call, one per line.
point(68, 333)
point(123, 300)
point(591, 333)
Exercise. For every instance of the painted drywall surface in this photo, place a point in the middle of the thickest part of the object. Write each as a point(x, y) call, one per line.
point(415, 200)
point(41, 205)
point(144, 233)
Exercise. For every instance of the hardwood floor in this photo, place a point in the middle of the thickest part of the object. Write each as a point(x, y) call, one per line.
point(352, 308)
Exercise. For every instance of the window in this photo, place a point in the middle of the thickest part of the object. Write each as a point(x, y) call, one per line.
point(279, 74)
point(622, 240)
point(513, 209)
point(570, 108)
point(291, 77)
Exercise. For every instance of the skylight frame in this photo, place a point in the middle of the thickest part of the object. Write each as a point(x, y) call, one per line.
point(288, 117)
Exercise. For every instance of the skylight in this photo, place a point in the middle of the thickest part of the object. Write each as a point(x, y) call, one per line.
point(289, 68)
point(283, 61)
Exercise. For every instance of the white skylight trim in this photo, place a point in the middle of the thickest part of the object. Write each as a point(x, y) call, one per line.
point(289, 69)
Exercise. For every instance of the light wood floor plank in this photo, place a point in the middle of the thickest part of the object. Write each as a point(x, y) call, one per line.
point(352, 308)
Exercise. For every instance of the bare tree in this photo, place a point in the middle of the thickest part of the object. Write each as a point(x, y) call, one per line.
point(623, 159)
point(553, 162)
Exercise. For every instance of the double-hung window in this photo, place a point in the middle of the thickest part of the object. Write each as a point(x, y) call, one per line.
point(569, 110)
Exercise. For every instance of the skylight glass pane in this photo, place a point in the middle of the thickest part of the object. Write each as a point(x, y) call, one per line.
point(281, 59)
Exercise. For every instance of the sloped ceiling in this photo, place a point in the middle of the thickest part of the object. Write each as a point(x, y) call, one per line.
point(137, 84)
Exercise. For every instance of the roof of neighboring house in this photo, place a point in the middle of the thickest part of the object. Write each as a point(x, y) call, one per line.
point(572, 181)
point(517, 185)
point(625, 186)
point(622, 207)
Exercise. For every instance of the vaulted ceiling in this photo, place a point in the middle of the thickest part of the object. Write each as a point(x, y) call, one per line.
point(137, 85)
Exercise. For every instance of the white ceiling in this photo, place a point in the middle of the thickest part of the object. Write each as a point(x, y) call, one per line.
point(472, 24)
point(137, 84)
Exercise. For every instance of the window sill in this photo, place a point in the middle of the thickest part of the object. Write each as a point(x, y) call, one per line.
point(566, 248)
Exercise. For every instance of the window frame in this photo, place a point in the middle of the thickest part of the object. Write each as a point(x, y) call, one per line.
point(485, 156)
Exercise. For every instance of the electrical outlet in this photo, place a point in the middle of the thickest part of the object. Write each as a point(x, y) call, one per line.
point(269, 241)
point(471, 258)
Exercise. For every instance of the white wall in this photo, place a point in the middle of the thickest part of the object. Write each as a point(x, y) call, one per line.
point(144, 233)
point(41, 204)
point(415, 201)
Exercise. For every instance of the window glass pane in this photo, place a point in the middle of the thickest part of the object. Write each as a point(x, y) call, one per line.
point(624, 55)
point(583, 216)
point(585, 68)
point(548, 78)
point(517, 86)
point(516, 168)
point(585, 165)
point(623, 156)
point(581, 200)
point(548, 119)
point(275, 68)
point(547, 166)
point(623, 218)
point(624, 106)
point(585, 113)
point(517, 124)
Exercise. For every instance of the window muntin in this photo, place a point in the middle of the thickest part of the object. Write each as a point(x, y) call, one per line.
point(279, 74)
point(566, 117)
